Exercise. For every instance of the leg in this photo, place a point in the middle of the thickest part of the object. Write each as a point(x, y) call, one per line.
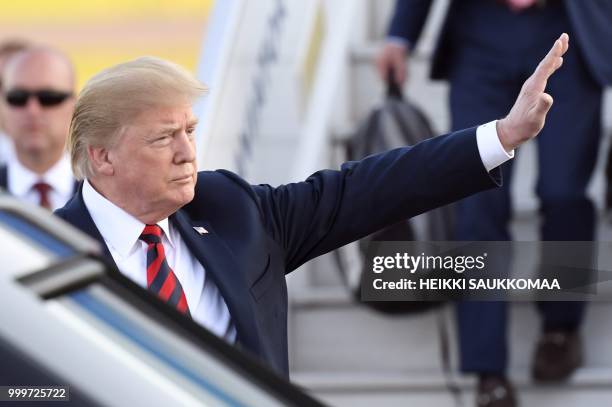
point(481, 92)
point(567, 152)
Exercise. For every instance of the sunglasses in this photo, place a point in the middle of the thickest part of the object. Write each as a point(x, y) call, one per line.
point(46, 97)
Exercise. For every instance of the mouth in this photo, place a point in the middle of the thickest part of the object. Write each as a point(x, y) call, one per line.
point(184, 179)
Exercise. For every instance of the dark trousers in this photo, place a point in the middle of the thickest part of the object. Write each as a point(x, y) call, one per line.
point(484, 85)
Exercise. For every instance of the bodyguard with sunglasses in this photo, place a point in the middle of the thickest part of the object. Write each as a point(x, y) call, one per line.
point(36, 105)
point(8, 48)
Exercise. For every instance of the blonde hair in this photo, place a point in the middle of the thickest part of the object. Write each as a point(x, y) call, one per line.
point(114, 96)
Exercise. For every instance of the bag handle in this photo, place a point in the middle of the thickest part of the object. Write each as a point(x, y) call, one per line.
point(394, 91)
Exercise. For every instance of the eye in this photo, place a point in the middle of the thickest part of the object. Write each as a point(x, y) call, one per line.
point(191, 131)
point(162, 139)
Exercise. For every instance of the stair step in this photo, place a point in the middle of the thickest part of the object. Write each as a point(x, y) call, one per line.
point(429, 381)
point(330, 333)
point(588, 387)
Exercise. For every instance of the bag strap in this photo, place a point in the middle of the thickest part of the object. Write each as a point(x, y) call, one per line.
point(451, 385)
point(394, 91)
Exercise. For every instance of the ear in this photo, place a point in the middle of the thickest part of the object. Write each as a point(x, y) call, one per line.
point(100, 160)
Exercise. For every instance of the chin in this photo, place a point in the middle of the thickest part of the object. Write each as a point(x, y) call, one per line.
point(35, 146)
point(186, 194)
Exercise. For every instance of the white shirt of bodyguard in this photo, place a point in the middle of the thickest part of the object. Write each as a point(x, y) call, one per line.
point(6, 148)
point(121, 233)
point(21, 181)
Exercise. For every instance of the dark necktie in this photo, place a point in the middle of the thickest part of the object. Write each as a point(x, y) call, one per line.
point(160, 278)
point(43, 190)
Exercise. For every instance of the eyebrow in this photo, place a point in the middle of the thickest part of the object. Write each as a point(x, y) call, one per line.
point(171, 127)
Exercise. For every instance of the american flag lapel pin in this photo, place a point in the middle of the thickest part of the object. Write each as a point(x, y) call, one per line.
point(200, 230)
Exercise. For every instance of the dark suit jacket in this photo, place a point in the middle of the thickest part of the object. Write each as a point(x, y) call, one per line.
point(258, 233)
point(591, 21)
point(3, 177)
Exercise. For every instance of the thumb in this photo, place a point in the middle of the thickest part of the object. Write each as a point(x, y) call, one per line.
point(381, 65)
point(400, 74)
point(543, 104)
point(400, 68)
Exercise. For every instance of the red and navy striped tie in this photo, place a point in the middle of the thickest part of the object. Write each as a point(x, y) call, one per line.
point(160, 278)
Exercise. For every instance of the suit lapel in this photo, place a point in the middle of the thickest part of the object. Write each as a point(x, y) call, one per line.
point(81, 219)
point(220, 264)
point(75, 187)
point(211, 252)
point(4, 177)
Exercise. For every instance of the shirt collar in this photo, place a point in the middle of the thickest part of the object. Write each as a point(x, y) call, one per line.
point(21, 179)
point(118, 228)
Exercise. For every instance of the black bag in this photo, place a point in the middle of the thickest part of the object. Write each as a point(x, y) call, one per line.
point(395, 124)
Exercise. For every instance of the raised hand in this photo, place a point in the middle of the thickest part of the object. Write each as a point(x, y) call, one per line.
point(527, 116)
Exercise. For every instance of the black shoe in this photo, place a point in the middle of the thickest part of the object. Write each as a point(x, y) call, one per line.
point(558, 355)
point(495, 391)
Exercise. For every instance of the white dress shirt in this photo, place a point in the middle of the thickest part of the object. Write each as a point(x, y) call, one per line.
point(121, 232)
point(6, 148)
point(492, 153)
point(59, 177)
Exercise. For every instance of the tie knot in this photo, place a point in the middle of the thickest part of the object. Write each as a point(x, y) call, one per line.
point(151, 234)
point(42, 187)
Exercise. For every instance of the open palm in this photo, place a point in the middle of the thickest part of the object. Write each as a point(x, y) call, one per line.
point(528, 115)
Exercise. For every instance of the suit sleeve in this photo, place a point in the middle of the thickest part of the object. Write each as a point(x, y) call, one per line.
point(408, 19)
point(333, 208)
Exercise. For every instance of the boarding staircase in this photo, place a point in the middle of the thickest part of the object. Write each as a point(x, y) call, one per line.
point(323, 84)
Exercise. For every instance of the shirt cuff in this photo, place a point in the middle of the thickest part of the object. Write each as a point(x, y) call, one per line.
point(398, 41)
point(492, 153)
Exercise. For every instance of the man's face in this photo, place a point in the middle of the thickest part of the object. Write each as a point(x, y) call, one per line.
point(154, 162)
point(37, 124)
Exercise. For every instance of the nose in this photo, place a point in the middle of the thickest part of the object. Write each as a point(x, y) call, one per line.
point(32, 106)
point(185, 149)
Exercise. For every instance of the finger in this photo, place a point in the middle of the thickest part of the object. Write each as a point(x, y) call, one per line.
point(551, 61)
point(381, 65)
point(400, 77)
point(565, 41)
point(547, 65)
point(400, 71)
point(544, 104)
